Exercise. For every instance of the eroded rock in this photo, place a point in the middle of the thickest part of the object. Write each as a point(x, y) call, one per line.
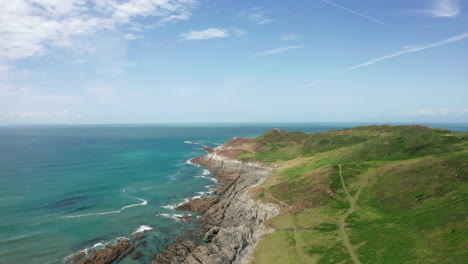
point(232, 223)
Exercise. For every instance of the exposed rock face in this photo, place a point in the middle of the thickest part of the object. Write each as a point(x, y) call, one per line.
point(136, 255)
point(199, 206)
point(110, 253)
point(233, 225)
point(107, 255)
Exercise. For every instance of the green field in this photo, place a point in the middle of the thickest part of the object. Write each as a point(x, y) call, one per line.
point(376, 194)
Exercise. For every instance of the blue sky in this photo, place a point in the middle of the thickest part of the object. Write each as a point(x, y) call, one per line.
point(178, 61)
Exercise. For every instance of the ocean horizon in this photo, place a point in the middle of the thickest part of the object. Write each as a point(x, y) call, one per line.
point(70, 188)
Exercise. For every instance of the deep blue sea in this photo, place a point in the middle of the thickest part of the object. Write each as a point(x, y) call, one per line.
point(67, 188)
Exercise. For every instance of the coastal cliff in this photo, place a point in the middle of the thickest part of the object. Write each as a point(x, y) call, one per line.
point(232, 223)
point(343, 195)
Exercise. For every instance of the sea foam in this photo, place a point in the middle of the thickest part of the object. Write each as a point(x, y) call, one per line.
point(142, 229)
point(176, 217)
point(144, 202)
point(191, 142)
point(174, 206)
point(190, 162)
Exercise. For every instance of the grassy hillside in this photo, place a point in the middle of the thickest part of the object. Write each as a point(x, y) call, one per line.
point(376, 194)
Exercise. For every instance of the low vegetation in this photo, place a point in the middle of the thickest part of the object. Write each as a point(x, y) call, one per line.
point(376, 194)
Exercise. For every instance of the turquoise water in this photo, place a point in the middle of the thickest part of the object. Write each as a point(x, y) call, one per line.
point(67, 188)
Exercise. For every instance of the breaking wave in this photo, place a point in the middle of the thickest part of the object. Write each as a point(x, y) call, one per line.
point(143, 203)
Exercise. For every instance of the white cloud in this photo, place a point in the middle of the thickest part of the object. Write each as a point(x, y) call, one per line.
point(29, 28)
point(239, 32)
point(256, 15)
point(212, 33)
point(276, 51)
point(209, 33)
point(131, 36)
point(290, 37)
point(443, 8)
point(5, 71)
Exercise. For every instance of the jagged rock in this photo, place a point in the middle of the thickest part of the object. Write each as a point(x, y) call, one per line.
point(233, 223)
point(198, 205)
point(139, 236)
point(108, 254)
point(75, 258)
point(130, 250)
point(136, 255)
point(190, 233)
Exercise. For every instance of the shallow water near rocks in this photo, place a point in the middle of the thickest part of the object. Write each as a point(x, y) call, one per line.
point(68, 188)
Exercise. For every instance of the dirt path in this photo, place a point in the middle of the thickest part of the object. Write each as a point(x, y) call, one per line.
point(341, 223)
point(279, 201)
point(342, 230)
point(302, 257)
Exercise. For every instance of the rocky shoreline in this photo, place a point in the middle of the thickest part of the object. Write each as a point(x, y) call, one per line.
point(231, 221)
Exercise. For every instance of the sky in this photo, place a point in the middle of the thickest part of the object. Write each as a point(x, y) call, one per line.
point(208, 61)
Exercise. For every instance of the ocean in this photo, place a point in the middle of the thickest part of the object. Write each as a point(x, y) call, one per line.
point(64, 189)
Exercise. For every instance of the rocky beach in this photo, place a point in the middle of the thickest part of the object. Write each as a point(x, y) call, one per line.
point(231, 221)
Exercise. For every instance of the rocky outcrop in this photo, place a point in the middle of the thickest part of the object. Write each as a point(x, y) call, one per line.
point(108, 254)
point(136, 255)
point(233, 223)
point(111, 253)
point(199, 205)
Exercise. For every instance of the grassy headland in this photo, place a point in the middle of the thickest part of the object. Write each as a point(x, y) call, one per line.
point(375, 194)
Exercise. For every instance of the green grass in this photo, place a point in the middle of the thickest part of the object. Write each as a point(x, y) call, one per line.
point(412, 208)
point(273, 152)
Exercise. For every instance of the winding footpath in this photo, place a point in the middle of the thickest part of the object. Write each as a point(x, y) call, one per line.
point(342, 223)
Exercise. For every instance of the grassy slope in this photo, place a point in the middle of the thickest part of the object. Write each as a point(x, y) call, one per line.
point(406, 199)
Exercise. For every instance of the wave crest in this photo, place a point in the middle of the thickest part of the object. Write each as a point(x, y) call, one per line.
point(142, 229)
point(143, 203)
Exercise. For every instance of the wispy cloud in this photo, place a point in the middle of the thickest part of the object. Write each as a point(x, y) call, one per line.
point(290, 37)
point(365, 17)
point(433, 112)
point(131, 36)
point(443, 8)
point(256, 15)
point(212, 33)
point(276, 51)
point(5, 71)
point(438, 112)
point(239, 32)
point(40, 115)
point(30, 28)
point(209, 33)
point(407, 50)
point(15, 94)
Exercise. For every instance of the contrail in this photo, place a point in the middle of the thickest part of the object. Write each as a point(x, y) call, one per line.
point(406, 51)
point(366, 17)
point(396, 54)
